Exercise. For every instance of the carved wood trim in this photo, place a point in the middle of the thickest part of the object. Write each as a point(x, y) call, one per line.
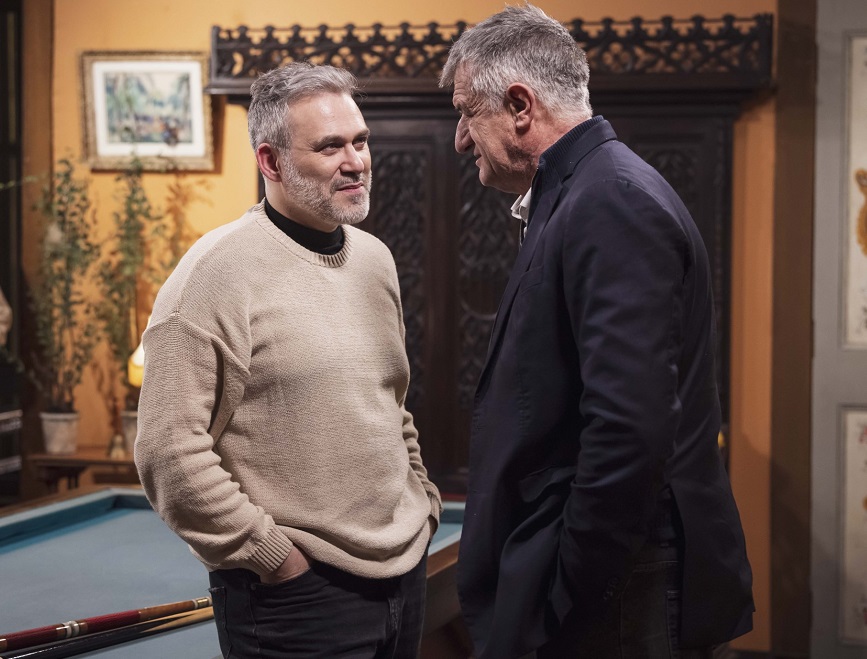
point(671, 88)
point(727, 53)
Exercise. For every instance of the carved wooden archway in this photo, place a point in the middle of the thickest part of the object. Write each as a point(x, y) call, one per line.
point(671, 88)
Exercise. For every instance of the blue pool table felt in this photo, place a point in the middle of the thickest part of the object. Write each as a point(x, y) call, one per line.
point(108, 552)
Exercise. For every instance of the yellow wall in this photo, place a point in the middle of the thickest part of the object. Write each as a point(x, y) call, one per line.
point(751, 307)
point(185, 25)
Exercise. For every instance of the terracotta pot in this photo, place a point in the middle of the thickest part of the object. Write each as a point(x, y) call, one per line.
point(129, 427)
point(60, 432)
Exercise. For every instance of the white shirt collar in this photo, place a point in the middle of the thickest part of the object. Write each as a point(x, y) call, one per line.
point(521, 207)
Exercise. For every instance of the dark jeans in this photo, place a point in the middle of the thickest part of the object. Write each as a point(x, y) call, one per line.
point(322, 613)
point(644, 623)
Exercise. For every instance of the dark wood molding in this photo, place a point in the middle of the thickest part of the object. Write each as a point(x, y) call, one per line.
point(11, 158)
point(37, 140)
point(722, 56)
point(672, 89)
point(792, 333)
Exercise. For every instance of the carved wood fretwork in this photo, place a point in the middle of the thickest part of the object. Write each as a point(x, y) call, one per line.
point(671, 89)
point(678, 167)
point(693, 154)
point(734, 52)
point(680, 161)
point(368, 52)
point(483, 214)
point(399, 205)
point(720, 211)
point(697, 45)
point(487, 247)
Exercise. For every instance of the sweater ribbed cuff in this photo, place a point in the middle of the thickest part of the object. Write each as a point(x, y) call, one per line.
point(436, 506)
point(271, 553)
point(436, 510)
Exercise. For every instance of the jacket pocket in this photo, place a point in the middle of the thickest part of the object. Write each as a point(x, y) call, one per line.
point(551, 480)
point(533, 277)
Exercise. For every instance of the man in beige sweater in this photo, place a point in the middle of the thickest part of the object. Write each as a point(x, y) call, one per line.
point(273, 436)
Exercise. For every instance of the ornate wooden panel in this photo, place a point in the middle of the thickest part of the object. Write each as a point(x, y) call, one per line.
point(488, 236)
point(670, 88)
point(692, 153)
point(701, 53)
point(400, 213)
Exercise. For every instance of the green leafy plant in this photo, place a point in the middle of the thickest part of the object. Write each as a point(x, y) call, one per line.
point(174, 235)
point(64, 318)
point(124, 276)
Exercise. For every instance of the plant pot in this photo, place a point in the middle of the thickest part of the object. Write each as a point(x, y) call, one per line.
point(129, 427)
point(60, 432)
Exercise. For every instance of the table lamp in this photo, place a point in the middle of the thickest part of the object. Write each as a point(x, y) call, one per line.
point(135, 367)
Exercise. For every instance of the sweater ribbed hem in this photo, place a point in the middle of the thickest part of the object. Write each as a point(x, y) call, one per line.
point(271, 553)
point(436, 511)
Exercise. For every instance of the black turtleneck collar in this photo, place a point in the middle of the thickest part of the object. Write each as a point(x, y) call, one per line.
point(552, 158)
point(555, 152)
point(321, 242)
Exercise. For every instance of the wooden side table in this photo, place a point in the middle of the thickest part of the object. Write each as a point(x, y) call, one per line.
point(50, 468)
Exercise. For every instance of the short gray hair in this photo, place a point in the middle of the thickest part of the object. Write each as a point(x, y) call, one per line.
point(273, 92)
point(522, 44)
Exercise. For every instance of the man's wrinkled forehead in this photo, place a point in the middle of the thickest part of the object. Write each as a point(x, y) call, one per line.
point(463, 96)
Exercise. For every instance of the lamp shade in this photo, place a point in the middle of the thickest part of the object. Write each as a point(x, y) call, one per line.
point(135, 367)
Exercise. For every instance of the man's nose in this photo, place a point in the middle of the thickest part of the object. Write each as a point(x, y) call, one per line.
point(463, 141)
point(353, 162)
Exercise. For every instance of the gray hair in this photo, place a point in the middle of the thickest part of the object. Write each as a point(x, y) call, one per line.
point(522, 44)
point(273, 92)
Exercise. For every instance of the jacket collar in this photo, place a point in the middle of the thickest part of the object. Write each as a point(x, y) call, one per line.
point(556, 164)
point(559, 160)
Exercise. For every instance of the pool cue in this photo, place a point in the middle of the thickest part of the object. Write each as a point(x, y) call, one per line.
point(113, 637)
point(41, 635)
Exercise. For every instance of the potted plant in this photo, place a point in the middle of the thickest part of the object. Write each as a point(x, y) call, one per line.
point(65, 327)
point(124, 278)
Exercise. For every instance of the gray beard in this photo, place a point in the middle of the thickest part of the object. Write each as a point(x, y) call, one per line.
point(307, 193)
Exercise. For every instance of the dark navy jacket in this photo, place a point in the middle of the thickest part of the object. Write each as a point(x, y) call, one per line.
point(598, 391)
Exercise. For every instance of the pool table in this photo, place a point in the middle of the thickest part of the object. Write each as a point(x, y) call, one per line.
point(107, 551)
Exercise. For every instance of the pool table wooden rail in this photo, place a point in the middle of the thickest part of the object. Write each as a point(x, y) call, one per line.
point(445, 636)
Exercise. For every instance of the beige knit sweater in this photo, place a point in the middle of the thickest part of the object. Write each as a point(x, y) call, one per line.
point(272, 410)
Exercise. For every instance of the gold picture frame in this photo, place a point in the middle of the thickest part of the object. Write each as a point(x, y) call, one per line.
point(149, 105)
point(855, 199)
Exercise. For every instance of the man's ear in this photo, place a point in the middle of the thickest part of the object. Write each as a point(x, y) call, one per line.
point(269, 162)
point(521, 103)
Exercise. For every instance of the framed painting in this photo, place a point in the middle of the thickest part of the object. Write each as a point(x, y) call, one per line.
point(148, 105)
point(853, 575)
point(855, 275)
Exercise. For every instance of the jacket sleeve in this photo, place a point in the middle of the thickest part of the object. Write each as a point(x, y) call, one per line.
point(624, 262)
point(192, 384)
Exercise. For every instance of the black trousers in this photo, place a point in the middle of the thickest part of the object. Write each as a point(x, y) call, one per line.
point(323, 613)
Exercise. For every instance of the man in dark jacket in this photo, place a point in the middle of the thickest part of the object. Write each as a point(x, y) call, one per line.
point(600, 522)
